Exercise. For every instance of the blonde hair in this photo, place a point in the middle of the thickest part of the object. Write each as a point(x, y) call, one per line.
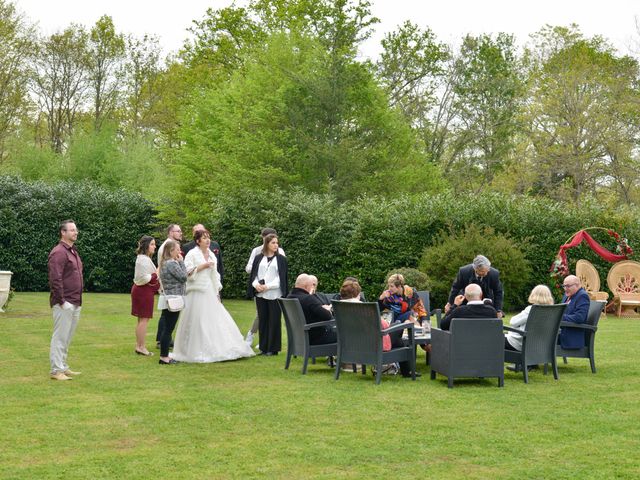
point(168, 248)
point(397, 280)
point(541, 295)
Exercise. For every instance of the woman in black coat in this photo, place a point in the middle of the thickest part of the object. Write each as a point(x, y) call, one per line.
point(268, 282)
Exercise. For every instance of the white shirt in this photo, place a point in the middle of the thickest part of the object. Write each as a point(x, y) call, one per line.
point(268, 271)
point(255, 252)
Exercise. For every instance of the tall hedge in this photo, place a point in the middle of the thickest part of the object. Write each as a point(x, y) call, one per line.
point(110, 223)
point(366, 238)
point(371, 236)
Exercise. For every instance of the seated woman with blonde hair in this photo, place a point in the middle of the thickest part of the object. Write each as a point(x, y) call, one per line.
point(540, 295)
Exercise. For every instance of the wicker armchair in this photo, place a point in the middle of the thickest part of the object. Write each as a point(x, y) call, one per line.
point(590, 279)
point(298, 334)
point(539, 339)
point(473, 347)
point(590, 328)
point(360, 338)
point(624, 282)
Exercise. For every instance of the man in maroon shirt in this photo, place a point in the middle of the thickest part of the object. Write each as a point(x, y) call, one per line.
point(65, 283)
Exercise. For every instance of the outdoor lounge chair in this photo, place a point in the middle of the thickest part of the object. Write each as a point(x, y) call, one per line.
point(473, 347)
point(539, 339)
point(590, 328)
point(298, 334)
point(360, 338)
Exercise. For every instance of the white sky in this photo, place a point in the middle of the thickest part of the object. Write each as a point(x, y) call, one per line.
point(449, 19)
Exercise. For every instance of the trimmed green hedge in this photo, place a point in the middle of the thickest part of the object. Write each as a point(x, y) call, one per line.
point(372, 236)
point(110, 224)
point(367, 238)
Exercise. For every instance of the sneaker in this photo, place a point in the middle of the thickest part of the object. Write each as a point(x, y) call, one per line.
point(391, 369)
point(59, 376)
point(249, 338)
point(387, 369)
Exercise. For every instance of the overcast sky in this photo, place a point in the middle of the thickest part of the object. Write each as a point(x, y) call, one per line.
point(449, 19)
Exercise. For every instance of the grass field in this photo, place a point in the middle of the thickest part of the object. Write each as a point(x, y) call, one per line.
point(128, 417)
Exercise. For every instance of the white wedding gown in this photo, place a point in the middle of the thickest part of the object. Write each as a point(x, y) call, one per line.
point(206, 332)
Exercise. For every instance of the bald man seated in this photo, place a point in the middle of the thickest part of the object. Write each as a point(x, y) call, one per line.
point(314, 310)
point(577, 311)
point(474, 308)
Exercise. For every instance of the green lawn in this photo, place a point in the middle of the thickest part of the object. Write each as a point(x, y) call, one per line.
point(128, 417)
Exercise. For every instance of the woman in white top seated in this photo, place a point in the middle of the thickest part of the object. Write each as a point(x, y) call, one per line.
point(540, 295)
point(268, 281)
point(206, 332)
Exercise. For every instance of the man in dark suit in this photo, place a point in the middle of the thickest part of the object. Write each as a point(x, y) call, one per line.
point(214, 247)
point(481, 273)
point(314, 310)
point(576, 312)
point(474, 308)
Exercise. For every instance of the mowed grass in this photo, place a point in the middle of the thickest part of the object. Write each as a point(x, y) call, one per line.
point(128, 417)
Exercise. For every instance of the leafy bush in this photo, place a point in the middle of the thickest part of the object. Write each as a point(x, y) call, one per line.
point(110, 224)
point(412, 277)
point(454, 249)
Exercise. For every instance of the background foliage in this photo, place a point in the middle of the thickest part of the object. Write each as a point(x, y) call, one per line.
point(110, 224)
point(371, 236)
point(268, 116)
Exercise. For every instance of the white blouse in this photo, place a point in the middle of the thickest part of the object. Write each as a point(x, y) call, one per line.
point(268, 271)
point(144, 269)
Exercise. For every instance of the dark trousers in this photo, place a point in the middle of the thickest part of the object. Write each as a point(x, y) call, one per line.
point(161, 325)
point(170, 320)
point(322, 336)
point(269, 325)
point(397, 341)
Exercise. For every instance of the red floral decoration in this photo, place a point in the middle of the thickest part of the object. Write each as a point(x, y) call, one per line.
point(622, 247)
point(560, 269)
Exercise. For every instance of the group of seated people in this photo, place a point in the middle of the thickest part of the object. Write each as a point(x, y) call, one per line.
point(401, 300)
point(472, 305)
point(482, 298)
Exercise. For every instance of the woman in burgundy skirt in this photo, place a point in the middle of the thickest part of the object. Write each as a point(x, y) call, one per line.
point(145, 286)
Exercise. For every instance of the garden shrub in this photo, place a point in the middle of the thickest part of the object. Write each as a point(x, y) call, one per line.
point(110, 223)
point(454, 249)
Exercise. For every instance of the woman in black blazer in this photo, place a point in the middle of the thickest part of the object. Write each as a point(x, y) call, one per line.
point(268, 282)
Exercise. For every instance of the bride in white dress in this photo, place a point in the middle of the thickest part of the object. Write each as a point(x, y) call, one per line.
point(206, 332)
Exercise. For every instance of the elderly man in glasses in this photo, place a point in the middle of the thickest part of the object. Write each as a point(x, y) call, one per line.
point(576, 312)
